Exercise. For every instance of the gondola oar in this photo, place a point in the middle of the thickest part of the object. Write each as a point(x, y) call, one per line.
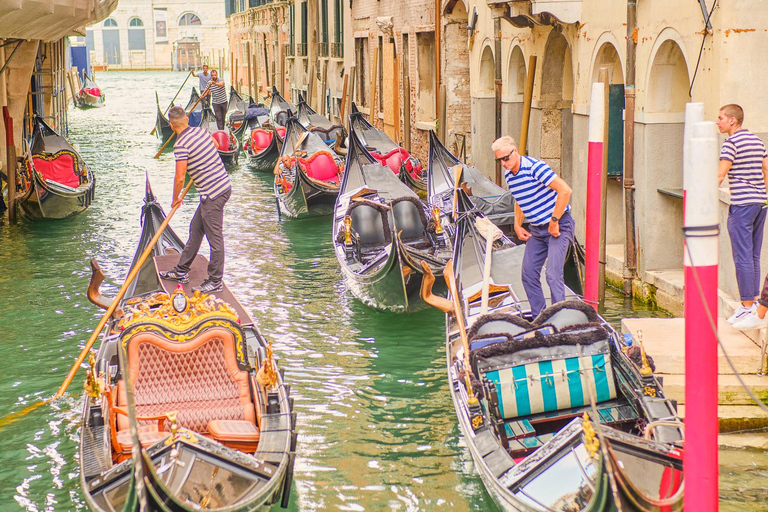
point(4, 422)
point(190, 111)
point(174, 99)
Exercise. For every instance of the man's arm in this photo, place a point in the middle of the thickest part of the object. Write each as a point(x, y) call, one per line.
point(521, 233)
point(220, 83)
point(725, 166)
point(178, 181)
point(765, 172)
point(563, 198)
point(193, 73)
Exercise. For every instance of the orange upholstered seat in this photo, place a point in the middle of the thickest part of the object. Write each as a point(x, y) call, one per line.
point(321, 166)
point(241, 435)
point(222, 138)
point(200, 379)
point(281, 131)
point(260, 139)
point(59, 168)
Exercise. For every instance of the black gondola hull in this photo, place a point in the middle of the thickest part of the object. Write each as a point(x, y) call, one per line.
point(307, 197)
point(45, 201)
point(265, 160)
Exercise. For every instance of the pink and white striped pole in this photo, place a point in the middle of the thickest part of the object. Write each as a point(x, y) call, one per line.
point(701, 257)
point(594, 193)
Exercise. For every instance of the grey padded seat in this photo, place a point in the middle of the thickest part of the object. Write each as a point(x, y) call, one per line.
point(368, 223)
point(408, 219)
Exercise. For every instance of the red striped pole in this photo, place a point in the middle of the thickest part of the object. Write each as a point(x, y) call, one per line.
point(701, 260)
point(594, 193)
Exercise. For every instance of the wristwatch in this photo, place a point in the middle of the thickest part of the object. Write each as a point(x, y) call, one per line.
point(555, 219)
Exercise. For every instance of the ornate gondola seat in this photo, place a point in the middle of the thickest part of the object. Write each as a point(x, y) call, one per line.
point(321, 166)
point(260, 139)
point(281, 118)
point(222, 138)
point(61, 167)
point(409, 218)
point(329, 134)
point(199, 378)
point(281, 131)
point(369, 222)
point(393, 159)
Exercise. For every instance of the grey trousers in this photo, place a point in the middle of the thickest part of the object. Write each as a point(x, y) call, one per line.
point(208, 221)
point(544, 247)
point(220, 110)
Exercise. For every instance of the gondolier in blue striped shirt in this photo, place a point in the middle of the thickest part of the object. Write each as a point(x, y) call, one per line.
point(196, 153)
point(205, 78)
point(218, 92)
point(543, 199)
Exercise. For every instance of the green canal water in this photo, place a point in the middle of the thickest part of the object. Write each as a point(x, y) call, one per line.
point(375, 420)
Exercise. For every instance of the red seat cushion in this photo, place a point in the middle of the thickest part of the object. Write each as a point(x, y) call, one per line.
point(321, 166)
point(59, 169)
point(222, 138)
point(281, 131)
point(393, 159)
point(94, 91)
point(261, 139)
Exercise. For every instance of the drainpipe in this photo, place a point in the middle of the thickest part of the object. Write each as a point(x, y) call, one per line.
point(630, 248)
point(497, 83)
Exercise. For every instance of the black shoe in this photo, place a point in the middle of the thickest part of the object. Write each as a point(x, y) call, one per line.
point(209, 286)
point(175, 275)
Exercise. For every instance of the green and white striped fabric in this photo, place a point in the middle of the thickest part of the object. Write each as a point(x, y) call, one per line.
point(547, 386)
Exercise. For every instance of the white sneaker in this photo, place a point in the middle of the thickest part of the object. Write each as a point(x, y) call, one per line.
point(750, 322)
point(740, 312)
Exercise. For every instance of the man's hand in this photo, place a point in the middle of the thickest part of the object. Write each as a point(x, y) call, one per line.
point(521, 233)
point(176, 202)
point(554, 228)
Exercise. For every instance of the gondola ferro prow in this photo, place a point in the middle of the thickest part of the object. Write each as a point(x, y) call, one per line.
point(443, 304)
point(94, 292)
point(337, 145)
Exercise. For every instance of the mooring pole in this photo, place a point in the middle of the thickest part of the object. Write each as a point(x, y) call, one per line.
point(701, 259)
point(594, 193)
point(10, 168)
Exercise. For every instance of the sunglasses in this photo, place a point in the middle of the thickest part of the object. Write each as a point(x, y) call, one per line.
point(505, 158)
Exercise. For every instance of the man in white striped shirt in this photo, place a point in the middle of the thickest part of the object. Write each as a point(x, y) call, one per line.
point(543, 198)
point(218, 92)
point(744, 160)
point(196, 153)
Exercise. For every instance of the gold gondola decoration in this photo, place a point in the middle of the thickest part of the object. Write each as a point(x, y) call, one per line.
point(267, 376)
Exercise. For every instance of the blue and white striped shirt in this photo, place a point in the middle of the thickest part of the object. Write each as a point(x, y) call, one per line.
point(746, 152)
point(204, 164)
point(530, 188)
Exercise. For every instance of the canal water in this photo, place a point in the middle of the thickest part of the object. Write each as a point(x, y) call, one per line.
point(375, 420)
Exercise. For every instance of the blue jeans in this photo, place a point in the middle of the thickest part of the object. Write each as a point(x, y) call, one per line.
point(745, 226)
point(544, 247)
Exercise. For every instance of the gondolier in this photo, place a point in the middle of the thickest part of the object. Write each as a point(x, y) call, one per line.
point(196, 154)
point(543, 198)
point(218, 93)
point(205, 78)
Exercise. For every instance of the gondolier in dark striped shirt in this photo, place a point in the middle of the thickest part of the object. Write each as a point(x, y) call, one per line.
point(218, 94)
point(196, 153)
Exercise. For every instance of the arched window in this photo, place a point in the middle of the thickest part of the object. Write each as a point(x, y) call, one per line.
point(189, 19)
point(110, 23)
point(136, 39)
point(111, 40)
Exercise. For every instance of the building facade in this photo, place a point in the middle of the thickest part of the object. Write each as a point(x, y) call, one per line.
point(158, 34)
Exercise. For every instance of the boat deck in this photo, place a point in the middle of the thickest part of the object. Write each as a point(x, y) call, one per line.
point(197, 274)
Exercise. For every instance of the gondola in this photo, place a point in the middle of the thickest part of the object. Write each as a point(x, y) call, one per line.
point(55, 181)
point(90, 95)
point(387, 152)
point(321, 125)
point(308, 174)
point(280, 109)
point(163, 126)
point(382, 233)
point(212, 432)
point(229, 147)
point(235, 116)
point(262, 146)
point(492, 200)
point(559, 413)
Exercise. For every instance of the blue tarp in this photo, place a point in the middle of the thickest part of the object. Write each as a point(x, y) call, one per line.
point(254, 112)
point(195, 117)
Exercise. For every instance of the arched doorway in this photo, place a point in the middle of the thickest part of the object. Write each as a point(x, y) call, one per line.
point(456, 78)
point(659, 167)
point(483, 112)
point(513, 91)
point(555, 101)
point(111, 38)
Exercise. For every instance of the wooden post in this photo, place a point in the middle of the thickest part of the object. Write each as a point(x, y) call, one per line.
point(255, 77)
point(595, 171)
point(10, 169)
point(407, 113)
point(527, 99)
point(231, 68)
point(324, 91)
point(310, 84)
point(353, 85)
point(604, 78)
point(343, 104)
point(266, 63)
point(396, 95)
point(438, 78)
point(442, 129)
point(374, 108)
point(250, 76)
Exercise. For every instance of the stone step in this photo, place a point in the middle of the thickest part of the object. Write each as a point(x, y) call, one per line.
point(736, 418)
point(730, 391)
point(664, 341)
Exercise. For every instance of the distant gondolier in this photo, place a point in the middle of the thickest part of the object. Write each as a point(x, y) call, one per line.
point(541, 197)
point(205, 78)
point(196, 154)
point(218, 94)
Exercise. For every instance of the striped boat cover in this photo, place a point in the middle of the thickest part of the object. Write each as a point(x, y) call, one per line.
point(547, 386)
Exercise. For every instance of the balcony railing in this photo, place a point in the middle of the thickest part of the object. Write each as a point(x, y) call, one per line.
point(301, 49)
point(289, 50)
point(322, 49)
point(337, 50)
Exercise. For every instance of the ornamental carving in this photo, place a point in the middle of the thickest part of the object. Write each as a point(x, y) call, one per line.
point(177, 311)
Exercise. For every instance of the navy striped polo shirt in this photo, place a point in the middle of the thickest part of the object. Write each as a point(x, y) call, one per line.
point(218, 93)
point(530, 188)
point(746, 152)
point(204, 164)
